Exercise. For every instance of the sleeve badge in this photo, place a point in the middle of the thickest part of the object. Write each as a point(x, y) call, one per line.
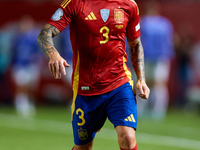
point(57, 15)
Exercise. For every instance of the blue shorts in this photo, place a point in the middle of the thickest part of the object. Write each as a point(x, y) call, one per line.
point(91, 112)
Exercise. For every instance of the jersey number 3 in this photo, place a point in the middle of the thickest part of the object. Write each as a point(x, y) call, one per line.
point(105, 31)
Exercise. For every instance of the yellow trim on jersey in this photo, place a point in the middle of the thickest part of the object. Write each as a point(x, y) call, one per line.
point(75, 86)
point(128, 73)
point(65, 3)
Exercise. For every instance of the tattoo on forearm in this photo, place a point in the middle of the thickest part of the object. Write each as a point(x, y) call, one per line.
point(137, 57)
point(45, 38)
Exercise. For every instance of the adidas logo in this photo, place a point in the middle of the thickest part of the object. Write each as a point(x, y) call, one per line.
point(130, 118)
point(91, 16)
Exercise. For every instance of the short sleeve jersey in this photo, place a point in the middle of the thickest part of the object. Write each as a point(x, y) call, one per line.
point(97, 32)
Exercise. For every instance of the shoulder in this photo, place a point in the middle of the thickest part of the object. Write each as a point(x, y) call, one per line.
point(72, 7)
point(74, 3)
point(132, 6)
point(131, 2)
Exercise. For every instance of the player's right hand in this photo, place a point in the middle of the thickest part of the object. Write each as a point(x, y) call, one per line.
point(57, 65)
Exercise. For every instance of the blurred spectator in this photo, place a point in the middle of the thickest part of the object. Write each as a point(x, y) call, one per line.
point(5, 60)
point(157, 39)
point(193, 91)
point(183, 47)
point(195, 55)
point(26, 65)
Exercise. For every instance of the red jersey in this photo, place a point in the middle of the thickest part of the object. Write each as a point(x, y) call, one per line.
point(97, 32)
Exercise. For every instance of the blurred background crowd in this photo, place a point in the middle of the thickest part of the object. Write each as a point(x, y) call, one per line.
point(170, 33)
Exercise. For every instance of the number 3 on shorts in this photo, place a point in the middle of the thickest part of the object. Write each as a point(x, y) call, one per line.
point(81, 116)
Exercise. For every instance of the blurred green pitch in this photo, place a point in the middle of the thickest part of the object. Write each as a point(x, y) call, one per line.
point(51, 129)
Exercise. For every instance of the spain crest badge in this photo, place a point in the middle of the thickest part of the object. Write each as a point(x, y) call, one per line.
point(119, 15)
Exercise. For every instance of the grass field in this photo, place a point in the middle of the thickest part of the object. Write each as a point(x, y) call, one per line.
point(50, 129)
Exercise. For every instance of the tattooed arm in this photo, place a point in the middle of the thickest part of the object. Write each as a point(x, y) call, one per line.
point(45, 39)
point(137, 58)
point(56, 63)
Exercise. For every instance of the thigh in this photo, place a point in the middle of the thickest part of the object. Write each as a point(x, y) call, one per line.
point(124, 130)
point(88, 117)
point(122, 108)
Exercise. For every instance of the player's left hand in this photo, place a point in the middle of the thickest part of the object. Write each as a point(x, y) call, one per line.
point(144, 91)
